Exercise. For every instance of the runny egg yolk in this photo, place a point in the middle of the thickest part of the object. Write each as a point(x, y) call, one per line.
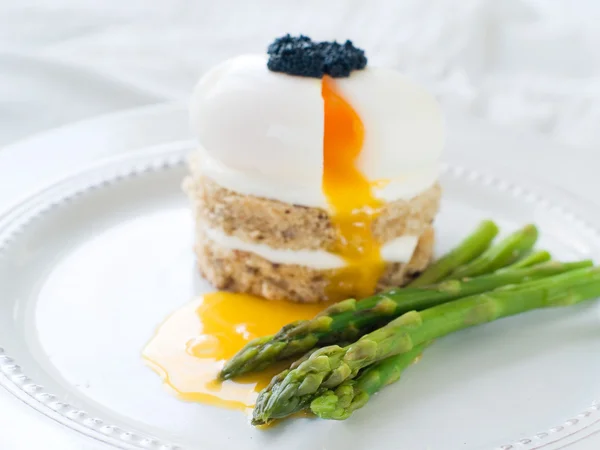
point(352, 205)
point(190, 347)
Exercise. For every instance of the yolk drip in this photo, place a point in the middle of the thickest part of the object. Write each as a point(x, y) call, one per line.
point(190, 347)
point(352, 205)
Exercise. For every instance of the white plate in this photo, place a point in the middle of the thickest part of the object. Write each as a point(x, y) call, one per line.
point(90, 266)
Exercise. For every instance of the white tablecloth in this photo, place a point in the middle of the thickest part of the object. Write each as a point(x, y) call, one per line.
point(530, 64)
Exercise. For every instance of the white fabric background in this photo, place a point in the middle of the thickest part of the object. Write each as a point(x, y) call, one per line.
point(530, 64)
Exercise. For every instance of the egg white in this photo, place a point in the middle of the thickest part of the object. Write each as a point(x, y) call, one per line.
point(261, 132)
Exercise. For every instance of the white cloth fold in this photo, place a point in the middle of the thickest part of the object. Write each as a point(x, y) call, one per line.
point(528, 64)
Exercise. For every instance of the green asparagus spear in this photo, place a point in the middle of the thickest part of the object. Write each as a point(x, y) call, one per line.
point(341, 402)
point(470, 248)
point(531, 259)
point(328, 367)
point(264, 351)
point(497, 256)
point(350, 319)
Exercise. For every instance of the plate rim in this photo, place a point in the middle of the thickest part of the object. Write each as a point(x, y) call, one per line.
point(168, 156)
point(12, 378)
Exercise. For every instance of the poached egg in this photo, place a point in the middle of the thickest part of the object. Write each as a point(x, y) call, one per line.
point(347, 145)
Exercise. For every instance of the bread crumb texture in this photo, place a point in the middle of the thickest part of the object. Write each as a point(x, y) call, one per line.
point(285, 226)
point(246, 272)
point(293, 227)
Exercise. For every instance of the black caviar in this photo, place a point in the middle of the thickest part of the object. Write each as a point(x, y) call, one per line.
point(301, 56)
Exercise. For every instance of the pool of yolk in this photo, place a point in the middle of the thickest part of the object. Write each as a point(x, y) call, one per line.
point(352, 204)
point(190, 347)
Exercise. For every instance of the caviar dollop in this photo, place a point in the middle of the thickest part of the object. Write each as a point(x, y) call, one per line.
point(301, 56)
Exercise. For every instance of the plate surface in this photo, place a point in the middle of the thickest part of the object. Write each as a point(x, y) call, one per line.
point(90, 266)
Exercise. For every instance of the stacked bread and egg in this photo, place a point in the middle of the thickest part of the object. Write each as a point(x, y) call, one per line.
point(313, 186)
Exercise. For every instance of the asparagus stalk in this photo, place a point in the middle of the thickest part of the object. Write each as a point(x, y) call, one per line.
point(328, 367)
point(470, 248)
point(531, 259)
point(350, 319)
point(505, 252)
point(341, 402)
